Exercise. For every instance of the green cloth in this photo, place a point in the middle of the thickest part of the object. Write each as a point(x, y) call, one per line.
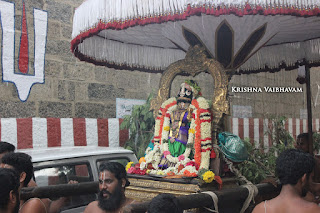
point(176, 148)
point(232, 146)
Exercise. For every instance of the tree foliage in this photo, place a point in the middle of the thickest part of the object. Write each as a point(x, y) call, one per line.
point(261, 162)
point(140, 124)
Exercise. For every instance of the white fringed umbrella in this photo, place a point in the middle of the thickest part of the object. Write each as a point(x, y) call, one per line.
point(242, 35)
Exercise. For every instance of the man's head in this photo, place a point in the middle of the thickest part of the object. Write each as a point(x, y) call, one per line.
point(9, 193)
point(112, 183)
point(21, 163)
point(292, 165)
point(6, 147)
point(303, 142)
point(188, 91)
point(164, 203)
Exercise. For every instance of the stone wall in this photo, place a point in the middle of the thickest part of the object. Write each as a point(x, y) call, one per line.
point(77, 89)
point(72, 88)
point(266, 104)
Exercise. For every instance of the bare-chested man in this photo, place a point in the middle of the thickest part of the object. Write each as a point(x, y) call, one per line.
point(112, 183)
point(51, 206)
point(9, 193)
point(303, 144)
point(22, 164)
point(294, 169)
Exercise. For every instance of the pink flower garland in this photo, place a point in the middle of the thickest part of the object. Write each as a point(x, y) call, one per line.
point(165, 153)
point(181, 158)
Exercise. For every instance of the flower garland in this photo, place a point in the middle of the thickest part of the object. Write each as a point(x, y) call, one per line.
point(197, 140)
point(208, 176)
point(199, 134)
point(128, 166)
point(190, 170)
point(202, 142)
point(171, 102)
point(153, 156)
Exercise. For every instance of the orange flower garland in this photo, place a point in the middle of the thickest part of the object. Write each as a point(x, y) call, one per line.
point(189, 174)
point(219, 181)
point(197, 140)
point(171, 173)
point(164, 111)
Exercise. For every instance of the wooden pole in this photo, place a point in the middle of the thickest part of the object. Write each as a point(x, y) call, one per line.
point(61, 190)
point(309, 109)
point(228, 199)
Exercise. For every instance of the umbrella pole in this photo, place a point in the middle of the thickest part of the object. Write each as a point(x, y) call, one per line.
point(309, 110)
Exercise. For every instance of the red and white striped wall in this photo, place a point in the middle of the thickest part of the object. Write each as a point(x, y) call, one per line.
point(256, 129)
point(37, 133)
point(28, 133)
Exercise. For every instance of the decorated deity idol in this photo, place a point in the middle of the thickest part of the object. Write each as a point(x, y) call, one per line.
point(182, 137)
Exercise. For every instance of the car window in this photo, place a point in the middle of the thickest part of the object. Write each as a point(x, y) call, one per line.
point(62, 174)
point(122, 160)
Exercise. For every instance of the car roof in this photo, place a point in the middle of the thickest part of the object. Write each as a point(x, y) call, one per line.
point(56, 153)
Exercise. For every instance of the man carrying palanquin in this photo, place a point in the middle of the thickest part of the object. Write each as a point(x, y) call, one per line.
point(9, 194)
point(294, 169)
point(314, 192)
point(22, 164)
point(112, 183)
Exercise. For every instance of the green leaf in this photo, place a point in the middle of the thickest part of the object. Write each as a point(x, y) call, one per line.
point(142, 125)
point(133, 127)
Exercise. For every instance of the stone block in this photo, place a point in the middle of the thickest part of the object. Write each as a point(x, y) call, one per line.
point(119, 93)
point(53, 68)
point(17, 109)
point(18, 21)
point(29, 5)
point(101, 74)
point(62, 12)
point(233, 79)
point(78, 71)
point(7, 89)
point(66, 90)
point(55, 85)
point(74, 3)
point(81, 91)
point(66, 31)
point(54, 30)
point(269, 108)
point(95, 110)
point(41, 91)
point(258, 96)
point(104, 92)
point(136, 95)
point(128, 80)
point(55, 109)
point(155, 80)
point(258, 107)
point(236, 101)
point(281, 109)
point(58, 48)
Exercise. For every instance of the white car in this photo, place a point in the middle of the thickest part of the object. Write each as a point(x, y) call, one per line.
point(54, 166)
